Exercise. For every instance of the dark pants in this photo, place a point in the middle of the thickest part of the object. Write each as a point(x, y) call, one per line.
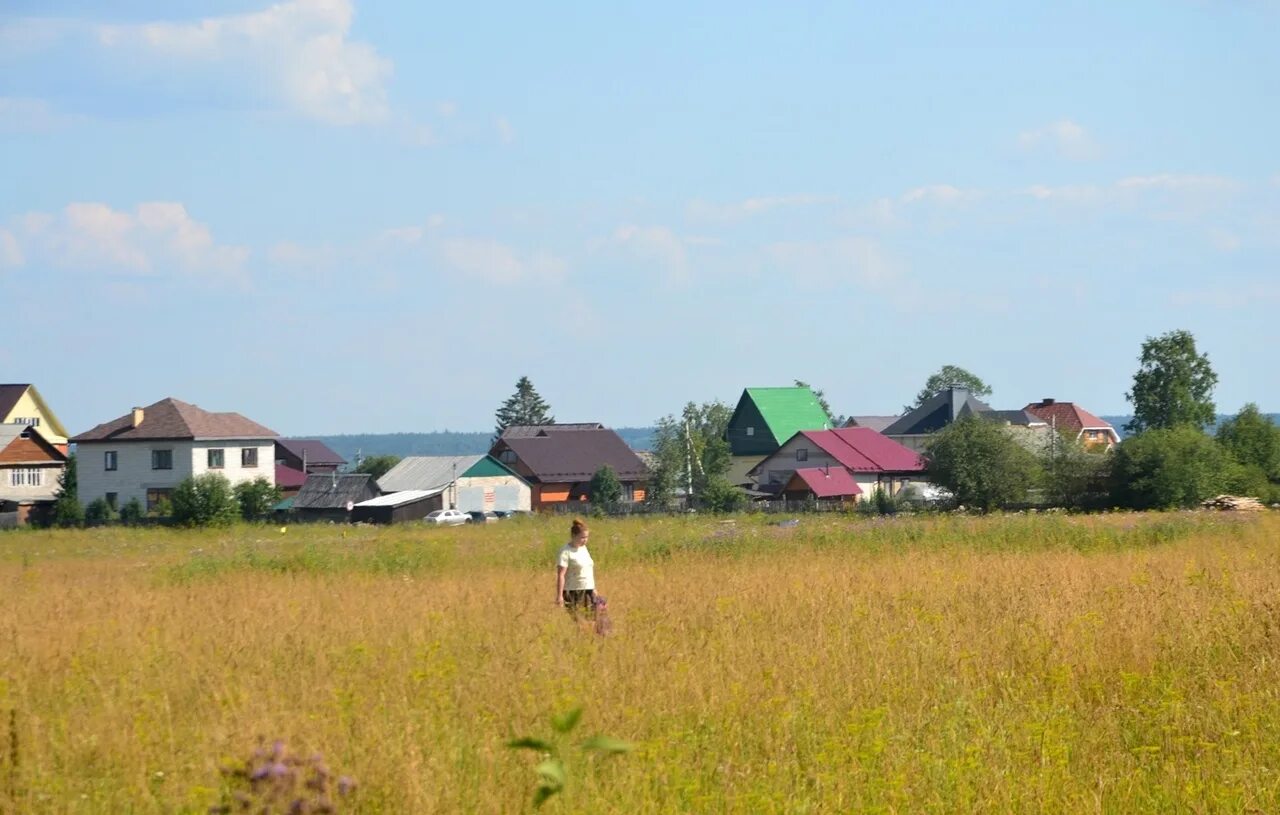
point(576, 600)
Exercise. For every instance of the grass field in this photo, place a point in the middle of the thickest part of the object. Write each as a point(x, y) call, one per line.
point(1115, 663)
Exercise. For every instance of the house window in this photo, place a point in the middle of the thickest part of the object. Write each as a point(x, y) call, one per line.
point(32, 421)
point(26, 477)
point(751, 431)
point(162, 459)
point(802, 454)
point(628, 493)
point(507, 456)
point(249, 457)
point(113, 500)
point(155, 496)
point(110, 460)
point(217, 458)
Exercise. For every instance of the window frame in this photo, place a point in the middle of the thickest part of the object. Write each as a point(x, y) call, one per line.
point(802, 454)
point(158, 456)
point(110, 461)
point(249, 458)
point(220, 453)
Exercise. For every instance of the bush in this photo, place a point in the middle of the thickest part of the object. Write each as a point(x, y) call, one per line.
point(979, 463)
point(1169, 468)
point(206, 500)
point(1076, 477)
point(605, 489)
point(721, 496)
point(257, 498)
point(132, 512)
point(100, 512)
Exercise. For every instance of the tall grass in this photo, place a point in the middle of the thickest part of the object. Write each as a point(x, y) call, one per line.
point(938, 664)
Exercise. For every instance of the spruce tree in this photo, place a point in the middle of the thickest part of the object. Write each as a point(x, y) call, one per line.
point(524, 407)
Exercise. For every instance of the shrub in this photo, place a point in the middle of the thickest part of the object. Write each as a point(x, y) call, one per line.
point(979, 463)
point(1169, 468)
point(100, 512)
point(257, 498)
point(132, 512)
point(605, 489)
point(206, 500)
point(721, 496)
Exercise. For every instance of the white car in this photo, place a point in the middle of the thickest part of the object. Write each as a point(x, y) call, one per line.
point(447, 517)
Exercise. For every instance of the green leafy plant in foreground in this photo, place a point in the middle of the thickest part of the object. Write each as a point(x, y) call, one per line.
point(552, 772)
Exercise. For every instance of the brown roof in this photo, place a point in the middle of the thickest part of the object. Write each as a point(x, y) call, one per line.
point(1067, 415)
point(575, 455)
point(9, 396)
point(174, 419)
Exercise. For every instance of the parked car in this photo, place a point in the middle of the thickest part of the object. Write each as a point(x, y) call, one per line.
point(503, 514)
point(486, 517)
point(447, 517)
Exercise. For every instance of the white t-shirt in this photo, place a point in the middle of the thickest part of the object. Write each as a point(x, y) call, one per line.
point(579, 574)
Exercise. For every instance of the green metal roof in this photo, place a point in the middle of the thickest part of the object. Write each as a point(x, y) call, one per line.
point(787, 411)
point(488, 466)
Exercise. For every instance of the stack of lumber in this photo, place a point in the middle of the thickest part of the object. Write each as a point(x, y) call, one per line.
point(1233, 502)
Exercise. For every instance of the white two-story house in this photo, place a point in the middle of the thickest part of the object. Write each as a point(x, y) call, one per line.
point(150, 450)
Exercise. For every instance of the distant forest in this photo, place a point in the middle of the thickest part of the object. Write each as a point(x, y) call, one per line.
point(452, 443)
point(443, 443)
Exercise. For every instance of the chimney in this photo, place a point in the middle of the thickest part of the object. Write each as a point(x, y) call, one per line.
point(1046, 402)
point(137, 416)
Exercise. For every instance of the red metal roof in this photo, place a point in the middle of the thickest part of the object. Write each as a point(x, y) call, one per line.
point(862, 449)
point(1067, 415)
point(288, 478)
point(829, 482)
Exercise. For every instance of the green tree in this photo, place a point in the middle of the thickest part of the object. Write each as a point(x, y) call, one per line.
point(950, 376)
point(99, 512)
point(718, 495)
point(691, 448)
point(1075, 475)
point(257, 498)
point(1174, 384)
point(605, 490)
point(981, 464)
point(524, 406)
point(132, 512)
point(1168, 468)
point(376, 466)
point(205, 500)
point(836, 421)
point(66, 505)
point(1253, 439)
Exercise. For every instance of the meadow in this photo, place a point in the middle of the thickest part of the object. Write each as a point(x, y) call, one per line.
point(1020, 663)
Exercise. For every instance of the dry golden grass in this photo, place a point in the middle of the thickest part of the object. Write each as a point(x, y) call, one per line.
point(1029, 664)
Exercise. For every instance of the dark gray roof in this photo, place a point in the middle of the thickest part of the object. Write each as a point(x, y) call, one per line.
point(1022, 418)
point(938, 411)
point(333, 490)
point(9, 396)
point(312, 450)
point(522, 431)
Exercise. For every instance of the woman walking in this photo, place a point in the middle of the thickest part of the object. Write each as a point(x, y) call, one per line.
point(575, 572)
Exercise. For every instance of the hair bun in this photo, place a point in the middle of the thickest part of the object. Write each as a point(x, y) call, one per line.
point(579, 526)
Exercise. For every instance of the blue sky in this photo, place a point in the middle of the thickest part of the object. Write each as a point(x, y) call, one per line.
point(342, 216)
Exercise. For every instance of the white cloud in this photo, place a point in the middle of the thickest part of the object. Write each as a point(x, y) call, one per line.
point(496, 262)
point(855, 260)
point(1186, 189)
point(154, 238)
point(939, 194)
point(701, 210)
point(656, 244)
point(24, 115)
point(1170, 182)
point(299, 50)
point(1065, 138)
point(506, 133)
point(10, 252)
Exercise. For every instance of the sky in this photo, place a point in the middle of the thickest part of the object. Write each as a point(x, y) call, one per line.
point(335, 216)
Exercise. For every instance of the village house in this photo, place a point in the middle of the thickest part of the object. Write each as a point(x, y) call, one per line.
point(30, 467)
point(331, 496)
point(295, 459)
point(469, 483)
point(1075, 422)
point(147, 452)
point(916, 427)
point(847, 464)
point(23, 405)
point(763, 420)
point(558, 463)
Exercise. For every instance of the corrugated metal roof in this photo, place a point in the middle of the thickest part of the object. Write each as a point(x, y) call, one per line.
point(876, 423)
point(862, 449)
point(524, 431)
point(313, 451)
point(425, 472)
point(789, 410)
point(829, 482)
point(333, 490)
point(396, 499)
point(576, 455)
